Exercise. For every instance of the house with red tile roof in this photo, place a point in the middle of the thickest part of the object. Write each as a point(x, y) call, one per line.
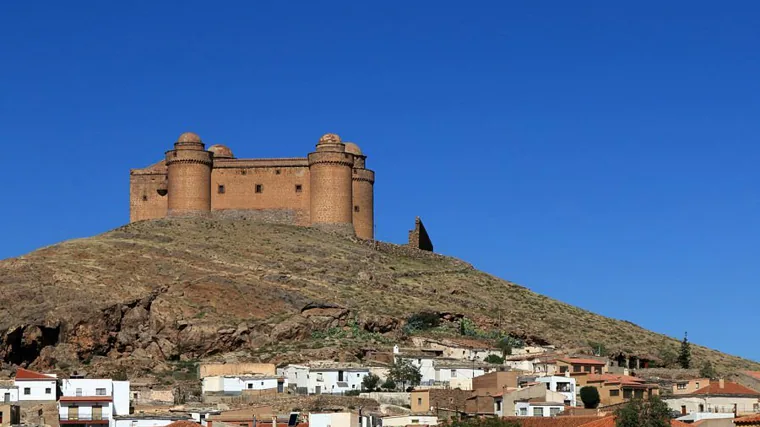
point(717, 397)
point(614, 389)
point(749, 421)
point(35, 386)
point(92, 402)
point(579, 365)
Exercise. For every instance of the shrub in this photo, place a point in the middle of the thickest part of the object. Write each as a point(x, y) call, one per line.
point(494, 358)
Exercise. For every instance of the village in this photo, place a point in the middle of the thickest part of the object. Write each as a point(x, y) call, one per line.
point(431, 383)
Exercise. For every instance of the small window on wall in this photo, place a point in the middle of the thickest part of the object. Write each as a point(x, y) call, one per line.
point(243, 172)
point(259, 188)
point(356, 208)
point(299, 188)
point(220, 189)
point(276, 171)
point(250, 385)
point(162, 191)
point(27, 391)
point(145, 198)
point(48, 391)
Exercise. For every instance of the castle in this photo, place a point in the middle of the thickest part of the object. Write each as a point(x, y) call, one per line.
point(331, 188)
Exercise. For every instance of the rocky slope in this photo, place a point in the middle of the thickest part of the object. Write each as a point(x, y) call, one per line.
point(178, 289)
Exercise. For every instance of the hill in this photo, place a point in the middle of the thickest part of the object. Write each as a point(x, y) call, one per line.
point(188, 289)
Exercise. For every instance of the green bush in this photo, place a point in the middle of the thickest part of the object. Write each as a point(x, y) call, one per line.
point(590, 397)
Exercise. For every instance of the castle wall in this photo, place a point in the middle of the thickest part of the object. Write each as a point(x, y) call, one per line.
point(363, 203)
point(147, 197)
point(284, 186)
point(189, 175)
point(331, 201)
point(418, 237)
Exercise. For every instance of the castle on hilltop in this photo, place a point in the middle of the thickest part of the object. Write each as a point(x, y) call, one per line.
point(330, 187)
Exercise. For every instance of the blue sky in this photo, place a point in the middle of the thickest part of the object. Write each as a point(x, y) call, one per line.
point(602, 154)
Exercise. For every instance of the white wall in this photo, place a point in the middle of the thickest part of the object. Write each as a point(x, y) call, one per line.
point(426, 365)
point(12, 393)
point(259, 383)
point(38, 390)
point(87, 387)
point(121, 397)
point(714, 404)
point(84, 410)
point(298, 375)
point(556, 381)
point(141, 422)
point(336, 419)
point(327, 380)
point(405, 420)
point(528, 410)
point(445, 374)
point(212, 384)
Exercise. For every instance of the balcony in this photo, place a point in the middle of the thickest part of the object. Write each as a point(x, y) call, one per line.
point(82, 419)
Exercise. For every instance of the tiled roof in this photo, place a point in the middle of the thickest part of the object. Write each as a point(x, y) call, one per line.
point(729, 387)
point(609, 421)
point(751, 419)
point(25, 374)
point(183, 423)
point(561, 421)
point(579, 361)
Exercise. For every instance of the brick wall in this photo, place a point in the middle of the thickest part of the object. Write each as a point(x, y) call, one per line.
point(418, 237)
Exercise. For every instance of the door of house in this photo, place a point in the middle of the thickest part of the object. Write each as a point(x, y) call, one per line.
point(97, 412)
point(73, 413)
point(7, 398)
point(318, 389)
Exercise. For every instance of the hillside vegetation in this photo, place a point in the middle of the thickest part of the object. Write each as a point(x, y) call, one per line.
point(188, 289)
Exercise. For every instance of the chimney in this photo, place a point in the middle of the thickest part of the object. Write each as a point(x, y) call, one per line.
point(721, 383)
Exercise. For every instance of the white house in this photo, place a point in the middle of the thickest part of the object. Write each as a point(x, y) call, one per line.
point(564, 385)
point(405, 420)
point(34, 386)
point(8, 392)
point(235, 385)
point(334, 419)
point(447, 370)
point(92, 402)
point(531, 408)
point(717, 397)
point(423, 361)
point(297, 377)
point(140, 420)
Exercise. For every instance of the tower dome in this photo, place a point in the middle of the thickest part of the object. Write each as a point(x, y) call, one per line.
point(189, 137)
point(221, 151)
point(353, 149)
point(329, 138)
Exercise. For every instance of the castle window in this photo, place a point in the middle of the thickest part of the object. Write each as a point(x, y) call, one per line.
point(276, 171)
point(220, 189)
point(162, 191)
point(356, 208)
point(243, 172)
point(299, 188)
point(145, 198)
point(259, 188)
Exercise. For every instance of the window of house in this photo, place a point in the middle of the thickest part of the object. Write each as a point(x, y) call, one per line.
point(220, 189)
point(419, 401)
point(697, 384)
point(523, 411)
point(262, 383)
point(681, 386)
point(48, 390)
point(587, 368)
point(134, 396)
point(538, 412)
point(498, 405)
point(353, 385)
point(79, 392)
point(701, 408)
point(27, 390)
point(598, 369)
point(614, 393)
point(553, 412)
point(415, 420)
point(100, 392)
point(627, 394)
point(340, 375)
point(576, 368)
point(356, 208)
point(299, 188)
point(1, 417)
point(562, 369)
point(250, 385)
point(453, 373)
point(259, 188)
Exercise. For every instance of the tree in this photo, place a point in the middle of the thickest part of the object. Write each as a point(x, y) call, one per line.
point(505, 345)
point(684, 356)
point(707, 370)
point(590, 397)
point(403, 372)
point(388, 385)
point(494, 358)
point(668, 357)
point(638, 413)
point(370, 382)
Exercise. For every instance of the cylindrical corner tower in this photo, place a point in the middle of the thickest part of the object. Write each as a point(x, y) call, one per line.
point(363, 191)
point(189, 173)
point(331, 198)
